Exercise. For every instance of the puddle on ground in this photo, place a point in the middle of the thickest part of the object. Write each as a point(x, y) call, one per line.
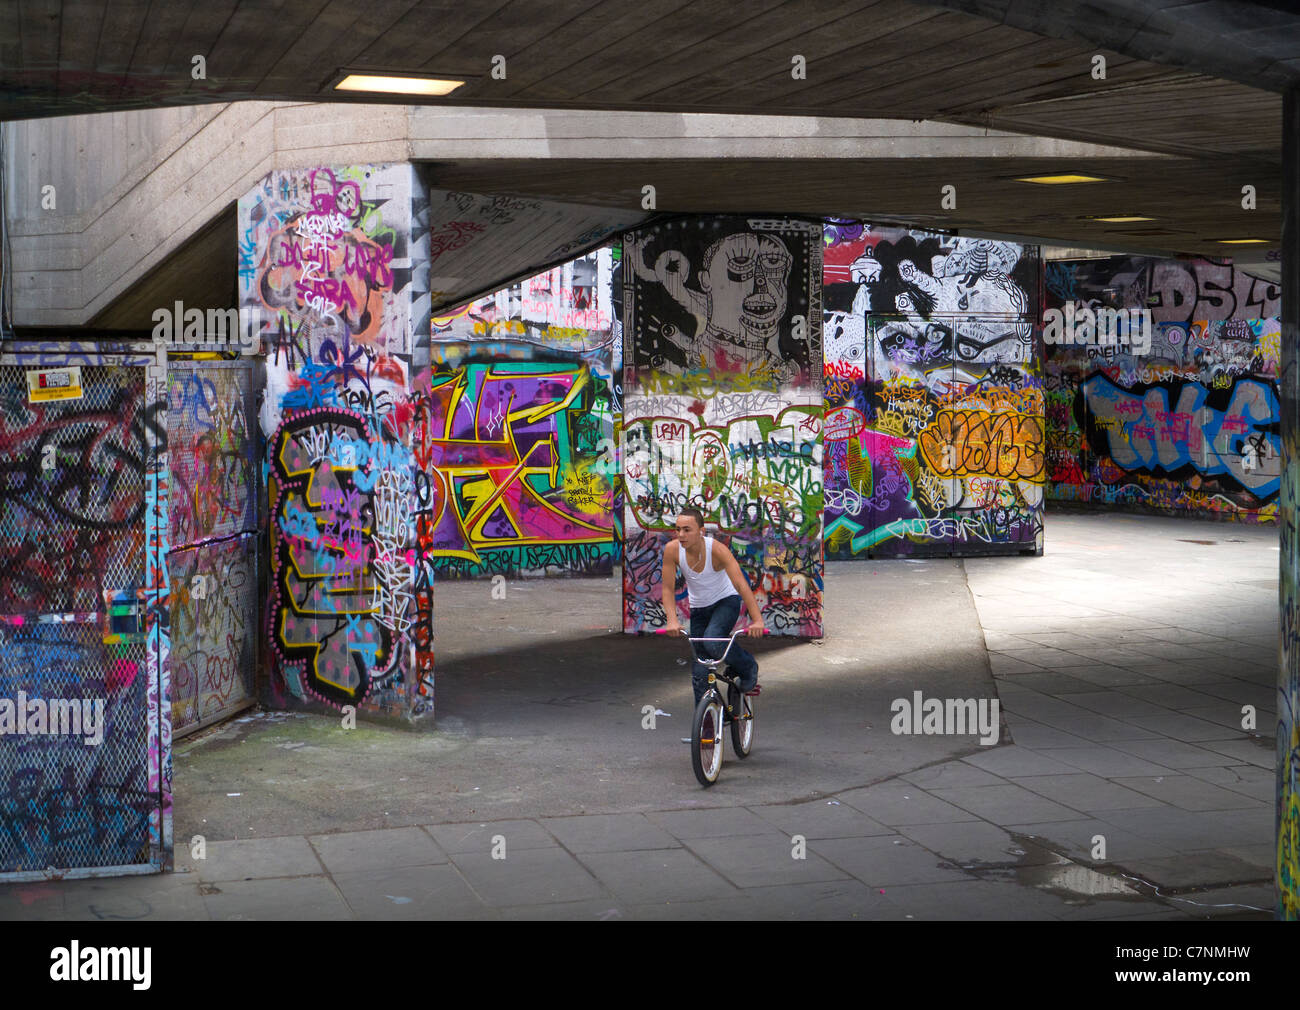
point(1072, 879)
point(1048, 870)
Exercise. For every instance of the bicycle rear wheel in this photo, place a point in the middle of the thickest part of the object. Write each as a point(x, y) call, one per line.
point(706, 738)
point(742, 721)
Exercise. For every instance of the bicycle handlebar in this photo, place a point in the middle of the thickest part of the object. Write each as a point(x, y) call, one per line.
point(739, 631)
point(714, 663)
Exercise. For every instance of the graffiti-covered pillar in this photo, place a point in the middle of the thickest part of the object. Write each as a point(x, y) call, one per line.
point(330, 282)
point(722, 407)
point(1288, 677)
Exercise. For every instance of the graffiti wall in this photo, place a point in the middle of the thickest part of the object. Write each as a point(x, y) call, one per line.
point(722, 362)
point(516, 434)
point(212, 561)
point(934, 407)
point(1166, 398)
point(327, 281)
point(85, 749)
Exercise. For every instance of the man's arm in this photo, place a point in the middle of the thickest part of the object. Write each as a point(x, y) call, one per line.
point(732, 567)
point(668, 582)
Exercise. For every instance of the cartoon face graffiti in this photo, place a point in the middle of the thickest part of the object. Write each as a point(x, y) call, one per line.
point(972, 292)
point(744, 279)
point(845, 336)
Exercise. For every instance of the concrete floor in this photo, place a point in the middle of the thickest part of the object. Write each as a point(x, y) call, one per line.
point(1122, 659)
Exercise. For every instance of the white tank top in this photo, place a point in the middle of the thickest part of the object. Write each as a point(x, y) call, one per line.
point(703, 589)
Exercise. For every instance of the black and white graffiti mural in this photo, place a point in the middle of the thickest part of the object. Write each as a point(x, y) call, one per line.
point(730, 297)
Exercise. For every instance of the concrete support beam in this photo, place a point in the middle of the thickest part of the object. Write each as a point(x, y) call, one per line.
point(135, 190)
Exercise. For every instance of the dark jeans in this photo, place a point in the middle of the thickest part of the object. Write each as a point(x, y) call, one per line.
point(719, 621)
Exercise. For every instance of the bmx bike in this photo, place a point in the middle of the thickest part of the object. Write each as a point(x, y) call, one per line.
point(714, 713)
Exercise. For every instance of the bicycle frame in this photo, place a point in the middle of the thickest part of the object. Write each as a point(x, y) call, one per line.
point(713, 664)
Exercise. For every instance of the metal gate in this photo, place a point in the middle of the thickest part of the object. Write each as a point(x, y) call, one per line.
point(212, 563)
point(85, 759)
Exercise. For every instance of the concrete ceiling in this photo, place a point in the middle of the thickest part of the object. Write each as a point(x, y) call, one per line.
point(1199, 82)
point(1012, 65)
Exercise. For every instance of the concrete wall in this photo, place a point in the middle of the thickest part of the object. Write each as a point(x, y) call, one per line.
point(1183, 422)
point(722, 363)
point(934, 410)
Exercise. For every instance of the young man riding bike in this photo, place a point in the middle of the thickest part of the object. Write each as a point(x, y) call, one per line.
point(715, 587)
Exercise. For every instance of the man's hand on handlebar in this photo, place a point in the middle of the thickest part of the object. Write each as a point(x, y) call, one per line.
point(755, 629)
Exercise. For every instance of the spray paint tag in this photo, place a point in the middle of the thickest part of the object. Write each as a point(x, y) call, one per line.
point(44, 384)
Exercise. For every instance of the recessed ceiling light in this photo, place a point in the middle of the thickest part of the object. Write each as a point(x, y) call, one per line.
point(398, 85)
point(1242, 241)
point(1063, 179)
point(1122, 218)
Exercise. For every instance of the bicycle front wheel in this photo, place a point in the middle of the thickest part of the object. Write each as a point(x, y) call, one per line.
point(706, 738)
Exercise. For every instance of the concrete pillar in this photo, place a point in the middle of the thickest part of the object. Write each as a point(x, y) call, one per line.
point(1288, 677)
point(331, 260)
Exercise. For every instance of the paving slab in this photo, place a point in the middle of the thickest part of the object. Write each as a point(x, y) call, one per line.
point(609, 833)
point(409, 893)
point(722, 822)
point(375, 850)
point(527, 877)
point(1008, 803)
point(166, 897)
point(1188, 792)
point(1199, 869)
point(966, 843)
point(1192, 830)
point(477, 836)
point(844, 900)
point(951, 775)
point(657, 876)
point(1108, 762)
point(283, 899)
point(254, 858)
point(973, 901)
point(1171, 754)
point(1178, 726)
point(1087, 793)
point(887, 860)
point(1008, 761)
point(895, 804)
point(764, 860)
point(1039, 736)
point(821, 819)
point(1079, 840)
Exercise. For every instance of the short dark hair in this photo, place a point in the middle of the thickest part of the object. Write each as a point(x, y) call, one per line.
point(695, 514)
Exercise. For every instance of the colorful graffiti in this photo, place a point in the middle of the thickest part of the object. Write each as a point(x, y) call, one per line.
point(519, 454)
point(935, 440)
point(212, 452)
point(341, 600)
point(722, 335)
point(1188, 425)
point(71, 505)
point(517, 440)
point(64, 804)
point(314, 251)
point(213, 628)
point(83, 518)
point(325, 272)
